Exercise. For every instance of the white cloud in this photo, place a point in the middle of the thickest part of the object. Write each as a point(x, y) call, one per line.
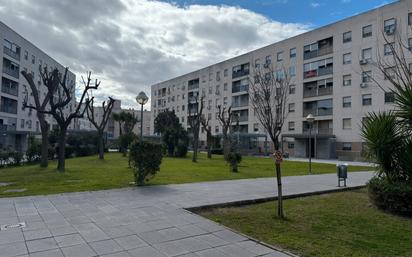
point(314, 4)
point(131, 44)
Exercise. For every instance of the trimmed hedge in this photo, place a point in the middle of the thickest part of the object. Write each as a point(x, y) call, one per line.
point(145, 157)
point(394, 197)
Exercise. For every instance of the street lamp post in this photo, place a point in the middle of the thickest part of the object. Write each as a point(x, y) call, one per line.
point(141, 99)
point(310, 119)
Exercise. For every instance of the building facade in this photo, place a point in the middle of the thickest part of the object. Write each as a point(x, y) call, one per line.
point(112, 128)
point(330, 68)
point(19, 54)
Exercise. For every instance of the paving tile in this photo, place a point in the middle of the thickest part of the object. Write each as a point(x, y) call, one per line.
point(130, 242)
point(255, 247)
point(82, 250)
point(213, 252)
point(146, 251)
point(212, 240)
point(36, 234)
point(64, 230)
point(49, 253)
point(229, 236)
point(14, 249)
point(69, 240)
point(11, 236)
point(39, 245)
point(120, 254)
point(105, 247)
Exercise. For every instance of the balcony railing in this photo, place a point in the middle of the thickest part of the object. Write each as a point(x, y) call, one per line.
point(319, 52)
point(240, 104)
point(317, 92)
point(10, 53)
point(240, 88)
point(318, 72)
point(11, 72)
point(236, 74)
point(243, 118)
point(319, 131)
point(317, 112)
point(10, 90)
point(4, 128)
point(193, 86)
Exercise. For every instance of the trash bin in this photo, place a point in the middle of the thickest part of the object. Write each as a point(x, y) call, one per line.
point(342, 172)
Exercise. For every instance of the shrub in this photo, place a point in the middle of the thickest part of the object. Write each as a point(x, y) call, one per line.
point(33, 150)
point(86, 150)
point(125, 140)
point(181, 150)
point(234, 159)
point(145, 158)
point(51, 152)
point(392, 197)
point(15, 157)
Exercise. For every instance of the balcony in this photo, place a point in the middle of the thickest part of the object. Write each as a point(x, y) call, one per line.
point(319, 72)
point(4, 128)
point(240, 88)
point(11, 53)
point(240, 104)
point(319, 52)
point(318, 108)
point(240, 73)
point(318, 88)
point(9, 87)
point(322, 47)
point(318, 131)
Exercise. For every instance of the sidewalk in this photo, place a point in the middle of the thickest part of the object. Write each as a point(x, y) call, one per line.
point(350, 163)
point(144, 222)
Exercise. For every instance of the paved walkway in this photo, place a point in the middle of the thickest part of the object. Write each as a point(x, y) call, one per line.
point(143, 222)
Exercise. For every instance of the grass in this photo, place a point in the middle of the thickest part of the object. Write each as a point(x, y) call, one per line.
point(330, 225)
point(89, 173)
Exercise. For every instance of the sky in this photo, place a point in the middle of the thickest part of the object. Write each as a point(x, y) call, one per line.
point(131, 44)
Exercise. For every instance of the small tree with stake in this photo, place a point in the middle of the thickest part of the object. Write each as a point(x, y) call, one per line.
point(63, 96)
point(226, 117)
point(268, 93)
point(209, 137)
point(107, 110)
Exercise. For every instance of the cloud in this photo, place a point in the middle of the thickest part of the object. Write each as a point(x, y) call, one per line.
point(131, 44)
point(314, 4)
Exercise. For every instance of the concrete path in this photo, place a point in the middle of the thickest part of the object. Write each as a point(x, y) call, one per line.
point(143, 222)
point(350, 163)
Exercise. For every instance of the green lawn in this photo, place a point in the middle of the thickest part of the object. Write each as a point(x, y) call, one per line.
point(330, 225)
point(89, 173)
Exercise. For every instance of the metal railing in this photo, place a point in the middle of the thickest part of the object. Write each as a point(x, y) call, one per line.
point(11, 72)
point(10, 53)
point(317, 112)
point(4, 127)
point(236, 74)
point(319, 131)
point(319, 52)
point(317, 92)
point(10, 90)
point(240, 88)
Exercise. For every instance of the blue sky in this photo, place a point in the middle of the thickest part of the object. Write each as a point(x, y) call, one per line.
point(315, 12)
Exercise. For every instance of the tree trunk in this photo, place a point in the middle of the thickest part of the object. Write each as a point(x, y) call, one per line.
point(101, 146)
point(195, 147)
point(209, 146)
point(280, 196)
point(62, 151)
point(44, 158)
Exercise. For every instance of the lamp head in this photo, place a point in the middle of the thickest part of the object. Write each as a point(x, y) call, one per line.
point(310, 119)
point(142, 98)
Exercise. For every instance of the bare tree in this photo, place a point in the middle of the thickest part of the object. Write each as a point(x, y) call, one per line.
point(195, 116)
point(100, 125)
point(268, 92)
point(226, 118)
point(64, 94)
point(49, 79)
point(209, 138)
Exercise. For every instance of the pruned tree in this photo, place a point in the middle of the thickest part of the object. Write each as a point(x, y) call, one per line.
point(118, 118)
point(100, 124)
point(194, 120)
point(41, 105)
point(63, 96)
point(226, 118)
point(268, 92)
point(209, 138)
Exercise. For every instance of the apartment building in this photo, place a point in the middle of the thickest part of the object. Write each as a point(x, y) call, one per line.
point(19, 54)
point(330, 68)
point(112, 129)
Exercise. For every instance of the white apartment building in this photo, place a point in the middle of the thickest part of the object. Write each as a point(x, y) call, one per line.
point(19, 54)
point(330, 68)
point(112, 128)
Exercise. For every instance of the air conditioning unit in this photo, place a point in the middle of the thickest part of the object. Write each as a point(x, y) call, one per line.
point(364, 85)
point(363, 62)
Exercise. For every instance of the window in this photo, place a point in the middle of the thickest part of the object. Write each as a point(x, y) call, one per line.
point(225, 87)
point(183, 107)
point(347, 123)
point(218, 76)
point(389, 97)
point(256, 127)
point(292, 89)
point(347, 58)
point(8, 105)
point(387, 49)
point(292, 107)
point(347, 146)
point(183, 119)
point(33, 59)
point(366, 99)
point(26, 55)
point(292, 71)
point(410, 18)
point(29, 124)
point(346, 102)
point(22, 123)
point(389, 26)
point(366, 76)
point(410, 44)
point(367, 54)
point(280, 75)
point(225, 101)
point(257, 63)
point(291, 145)
point(291, 125)
point(268, 60)
point(347, 80)
point(217, 129)
point(347, 37)
point(367, 31)
point(292, 53)
point(225, 72)
point(389, 73)
point(279, 56)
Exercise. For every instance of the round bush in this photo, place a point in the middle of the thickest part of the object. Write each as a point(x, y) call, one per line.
point(145, 158)
point(394, 197)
